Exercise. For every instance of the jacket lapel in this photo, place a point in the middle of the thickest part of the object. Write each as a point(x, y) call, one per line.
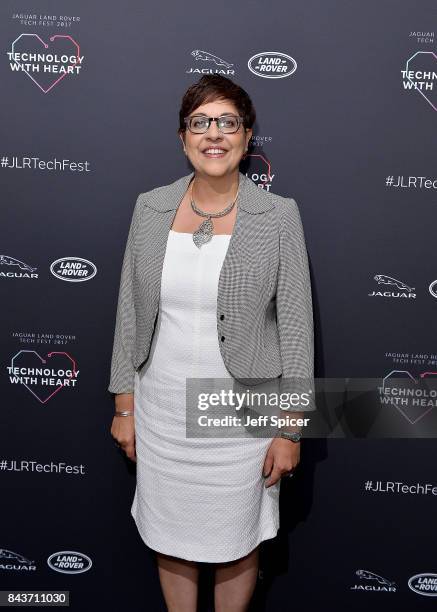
point(155, 231)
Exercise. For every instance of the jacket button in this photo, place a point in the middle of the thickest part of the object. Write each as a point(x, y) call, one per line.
point(222, 338)
point(222, 317)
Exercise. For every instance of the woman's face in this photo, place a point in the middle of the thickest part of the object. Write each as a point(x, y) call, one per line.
point(214, 153)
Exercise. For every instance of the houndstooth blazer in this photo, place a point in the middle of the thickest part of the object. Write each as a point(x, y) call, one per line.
point(264, 303)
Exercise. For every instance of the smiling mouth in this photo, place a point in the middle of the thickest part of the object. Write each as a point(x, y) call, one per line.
point(214, 152)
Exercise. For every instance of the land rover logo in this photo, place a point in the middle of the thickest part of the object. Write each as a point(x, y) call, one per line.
point(433, 288)
point(424, 584)
point(73, 269)
point(69, 562)
point(272, 65)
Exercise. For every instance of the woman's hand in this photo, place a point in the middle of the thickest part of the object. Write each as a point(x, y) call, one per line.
point(283, 455)
point(123, 427)
point(123, 432)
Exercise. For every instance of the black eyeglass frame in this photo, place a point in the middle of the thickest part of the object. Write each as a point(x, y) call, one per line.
point(240, 121)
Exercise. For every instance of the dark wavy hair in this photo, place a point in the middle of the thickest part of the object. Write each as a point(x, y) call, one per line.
point(216, 87)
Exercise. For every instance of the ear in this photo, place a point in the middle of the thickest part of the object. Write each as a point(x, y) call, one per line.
point(248, 136)
point(249, 133)
point(181, 136)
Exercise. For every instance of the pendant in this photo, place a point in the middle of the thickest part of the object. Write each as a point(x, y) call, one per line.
point(203, 233)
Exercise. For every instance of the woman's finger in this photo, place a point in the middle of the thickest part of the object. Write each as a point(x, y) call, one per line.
point(268, 464)
point(274, 477)
point(130, 451)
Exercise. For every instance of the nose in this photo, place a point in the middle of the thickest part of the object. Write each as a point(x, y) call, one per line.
point(213, 131)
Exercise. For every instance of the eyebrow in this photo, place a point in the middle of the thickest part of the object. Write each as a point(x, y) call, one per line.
point(222, 115)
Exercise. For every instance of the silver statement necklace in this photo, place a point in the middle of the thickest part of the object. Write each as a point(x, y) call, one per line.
point(205, 232)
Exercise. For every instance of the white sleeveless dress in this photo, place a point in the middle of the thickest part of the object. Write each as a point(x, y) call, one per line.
point(200, 499)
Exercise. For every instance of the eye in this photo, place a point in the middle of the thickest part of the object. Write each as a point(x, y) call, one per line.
point(198, 122)
point(228, 122)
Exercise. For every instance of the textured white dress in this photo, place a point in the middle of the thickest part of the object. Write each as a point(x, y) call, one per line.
point(201, 499)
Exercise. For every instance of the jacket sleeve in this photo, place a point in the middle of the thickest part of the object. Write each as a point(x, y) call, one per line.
point(294, 311)
point(122, 367)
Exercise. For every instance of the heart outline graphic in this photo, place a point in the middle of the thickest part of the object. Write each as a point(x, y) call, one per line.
point(45, 361)
point(411, 80)
point(46, 46)
point(404, 414)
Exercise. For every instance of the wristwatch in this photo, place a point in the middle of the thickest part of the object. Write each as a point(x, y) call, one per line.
point(294, 436)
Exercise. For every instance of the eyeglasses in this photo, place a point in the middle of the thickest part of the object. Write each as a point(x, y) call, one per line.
point(227, 124)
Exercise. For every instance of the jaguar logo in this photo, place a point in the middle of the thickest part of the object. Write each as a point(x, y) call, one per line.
point(205, 56)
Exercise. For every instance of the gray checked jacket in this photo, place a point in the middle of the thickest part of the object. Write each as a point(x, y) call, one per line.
point(264, 302)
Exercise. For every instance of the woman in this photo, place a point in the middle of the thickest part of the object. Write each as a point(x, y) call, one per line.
point(214, 283)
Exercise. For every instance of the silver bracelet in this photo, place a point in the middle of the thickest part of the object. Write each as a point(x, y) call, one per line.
point(124, 413)
point(293, 436)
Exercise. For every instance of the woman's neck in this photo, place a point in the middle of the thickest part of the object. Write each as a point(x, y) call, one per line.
point(214, 192)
